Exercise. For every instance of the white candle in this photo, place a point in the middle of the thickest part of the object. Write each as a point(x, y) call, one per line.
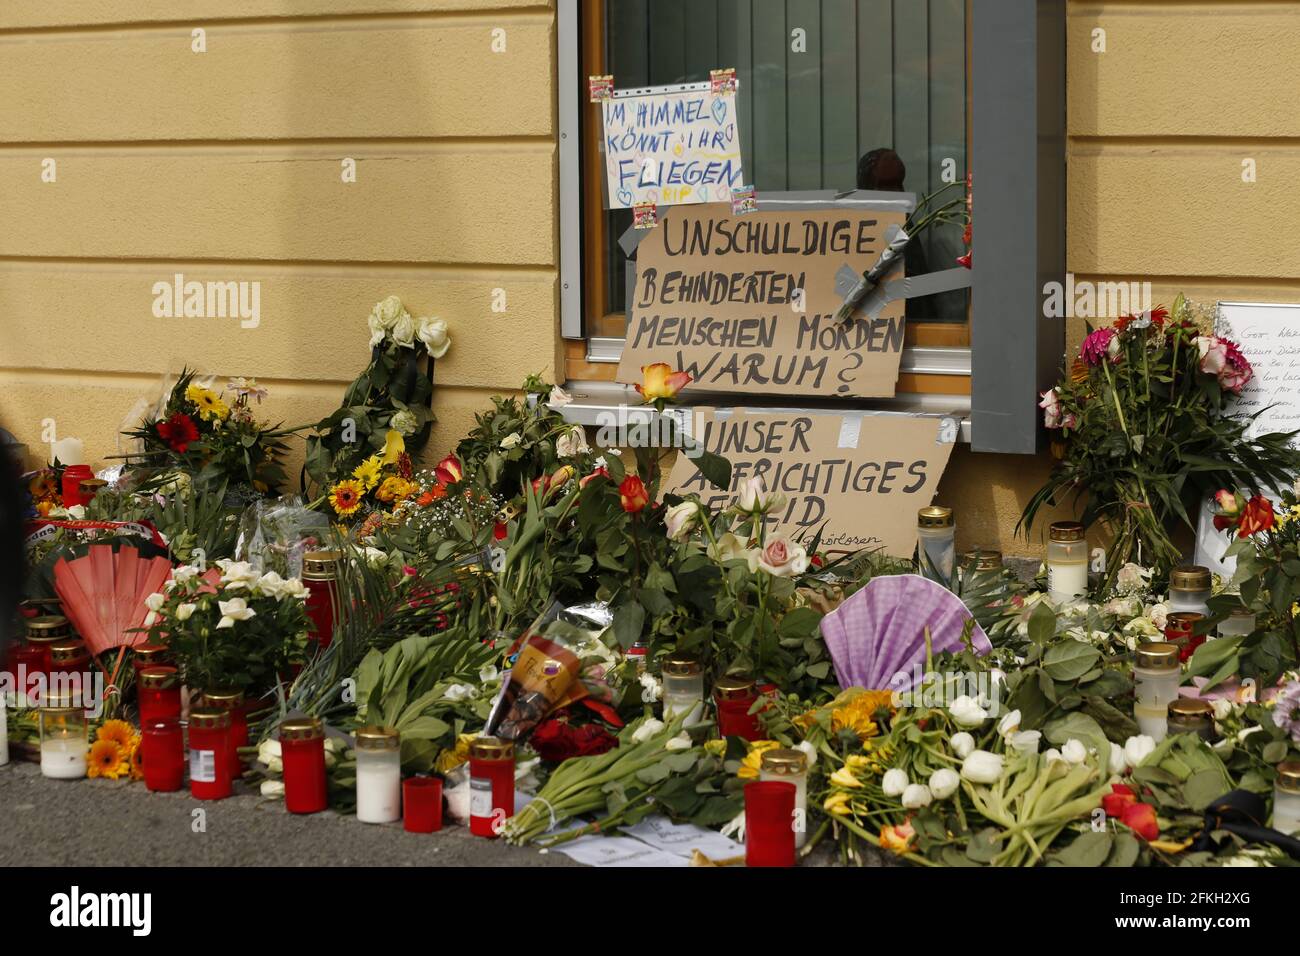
point(68, 451)
point(1152, 721)
point(63, 758)
point(1067, 579)
point(379, 787)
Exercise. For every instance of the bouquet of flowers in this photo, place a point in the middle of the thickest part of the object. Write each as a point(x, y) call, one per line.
point(218, 442)
point(391, 395)
point(1142, 427)
point(230, 626)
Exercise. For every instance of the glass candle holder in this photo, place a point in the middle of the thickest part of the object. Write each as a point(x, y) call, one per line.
point(210, 753)
point(638, 652)
point(231, 700)
point(148, 655)
point(73, 476)
point(65, 738)
point(1152, 721)
point(320, 574)
point(769, 823)
point(46, 630)
point(302, 752)
point(158, 692)
point(1189, 589)
point(1067, 561)
point(683, 679)
point(491, 785)
point(4, 730)
point(28, 662)
point(734, 696)
point(936, 548)
point(379, 775)
point(69, 656)
point(1190, 715)
point(1156, 675)
point(1240, 621)
point(422, 804)
point(162, 754)
point(1179, 628)
point(89, 488)
point(1286, 797)
point(790, 766)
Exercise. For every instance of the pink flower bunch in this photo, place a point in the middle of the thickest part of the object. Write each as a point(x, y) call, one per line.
point(1100, 345)
point(1222, 359)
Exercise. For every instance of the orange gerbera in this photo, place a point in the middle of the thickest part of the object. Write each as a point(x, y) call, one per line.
point(137, 760)
point(107, 760)
point(345, 497)
point(432, 495)
point(118, 731)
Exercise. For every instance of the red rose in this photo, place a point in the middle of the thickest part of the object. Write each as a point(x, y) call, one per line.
point(1257, 516)
point(633, 495)
point(449, 470)
point(1141, 819)
point(1118, 800)
point(601, 472)
point(178, 431)
point(557, 740)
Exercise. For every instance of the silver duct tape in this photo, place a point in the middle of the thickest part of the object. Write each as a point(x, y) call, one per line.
point(914, 287)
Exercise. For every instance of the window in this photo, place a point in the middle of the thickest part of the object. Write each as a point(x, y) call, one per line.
point(834, 94)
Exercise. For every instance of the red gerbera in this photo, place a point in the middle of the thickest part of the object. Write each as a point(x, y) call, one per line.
point(178, 431)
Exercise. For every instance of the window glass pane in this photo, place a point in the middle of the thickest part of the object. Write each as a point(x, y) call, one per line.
point(834, 94)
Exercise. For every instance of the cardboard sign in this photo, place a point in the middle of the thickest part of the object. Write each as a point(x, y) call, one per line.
point(670, 148)
point(1269, 336)
point(859, 479)
point(747, 303)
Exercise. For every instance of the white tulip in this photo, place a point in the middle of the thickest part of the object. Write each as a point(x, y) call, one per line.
point(962, 744)
point(809, 752)
point(1074, 751)
point(1024, 741)
point(647, 730)
point(944, 783)
point(681, 742)
point(272, 788)
point(894, 782)
point(1137, 749)
point(966, 712)
point(980, 766)
point(916, 796)
point(1051, 756)
point(1222, 709)
point(1116, 762)
point(268, 753)
point(459, 692)
point(1009, 724)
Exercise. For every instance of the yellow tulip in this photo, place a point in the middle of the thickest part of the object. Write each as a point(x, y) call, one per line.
point(844, 778)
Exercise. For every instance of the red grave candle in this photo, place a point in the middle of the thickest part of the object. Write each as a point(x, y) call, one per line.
point(46, 630)
point(148, 655)
point(422, 804)
point(73, 476)
point(231, 700)
point(734, 697)
point(162, 754)
point(320, 573)
point(302, 750)
point(210, 753)
point(491, 785)
point(159, 693)
point(69, 656)
point(769, 823)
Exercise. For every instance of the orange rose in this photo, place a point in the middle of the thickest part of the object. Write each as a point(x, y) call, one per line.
point(632, 493)
point(660, 381)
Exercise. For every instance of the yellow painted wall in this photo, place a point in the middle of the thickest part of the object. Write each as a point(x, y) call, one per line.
point(225, 165)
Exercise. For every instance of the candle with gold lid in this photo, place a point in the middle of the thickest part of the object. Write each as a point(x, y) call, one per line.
point(1189, 589)
point(1239, 622)
point(46, 630)
point(936, 535)
point(379, 774)
point(982, 559)
point(683, 678)
point(790, 766)
point(1067, 561)
point(320, 572)
point(491, 785)
point(1286, 797)
point(64, 736)
point(231, 700)
point(1191, 715)
point(1156, 674)
point(734, 696)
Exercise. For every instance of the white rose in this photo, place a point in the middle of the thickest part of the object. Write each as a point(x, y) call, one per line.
point(962, 744)
point(753, 498)
point(894, 782)
point(270, 584)
point(433, 333)
point(185, 572)
point(681, 519)
point(404, 422)
point(980, 766)
point(513, 440)
point(388, 311)
point(944, 783)
point(647, 730)
point(1009, 724)
point(1159, 615)
point(966, 712)
point(236, 609)
point(295, 589)
point(916, 796)
point(780, 556)
point(377, 330)
point(651, 686)
point(155, 601)
point(237, 574)
point(572, 443)
point(558, 398)
point(1074, 751)
point(728, 548)
point(185, 611)
point(1137, 749)
point(1024, 741)
point(1051, 756)
point(403, 332)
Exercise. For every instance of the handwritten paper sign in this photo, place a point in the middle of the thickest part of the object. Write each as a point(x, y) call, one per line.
point(1269, 336)
point(671, 148)
point(747, 303)
point(859, 478)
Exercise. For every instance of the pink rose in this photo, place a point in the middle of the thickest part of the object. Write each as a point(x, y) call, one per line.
point(1223, 359)
point(780, 557)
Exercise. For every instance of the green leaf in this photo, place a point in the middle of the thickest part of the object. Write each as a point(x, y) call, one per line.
point(1042, 624)
point(1125, 850)
point(1070, 660)
point(1091, 849)
point(1203, 788)
point(629, 622)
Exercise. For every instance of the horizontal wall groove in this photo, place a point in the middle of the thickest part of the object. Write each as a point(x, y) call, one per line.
point(150, 379)
point(368, 148)
point(469, 271)
point(1101, 142)
point(381, 20)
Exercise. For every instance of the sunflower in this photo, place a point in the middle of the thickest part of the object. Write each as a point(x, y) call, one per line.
point(208, 403)
point(753, 762)
point(368, 472)
point(107, 759)
point(858, 714)
point(118, 731)
point(346, 497)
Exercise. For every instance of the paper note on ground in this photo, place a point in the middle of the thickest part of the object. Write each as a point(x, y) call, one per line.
point(671, 148)
point(747, 303)
point(617, 851)
point(682, 839)
point(864, 496)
